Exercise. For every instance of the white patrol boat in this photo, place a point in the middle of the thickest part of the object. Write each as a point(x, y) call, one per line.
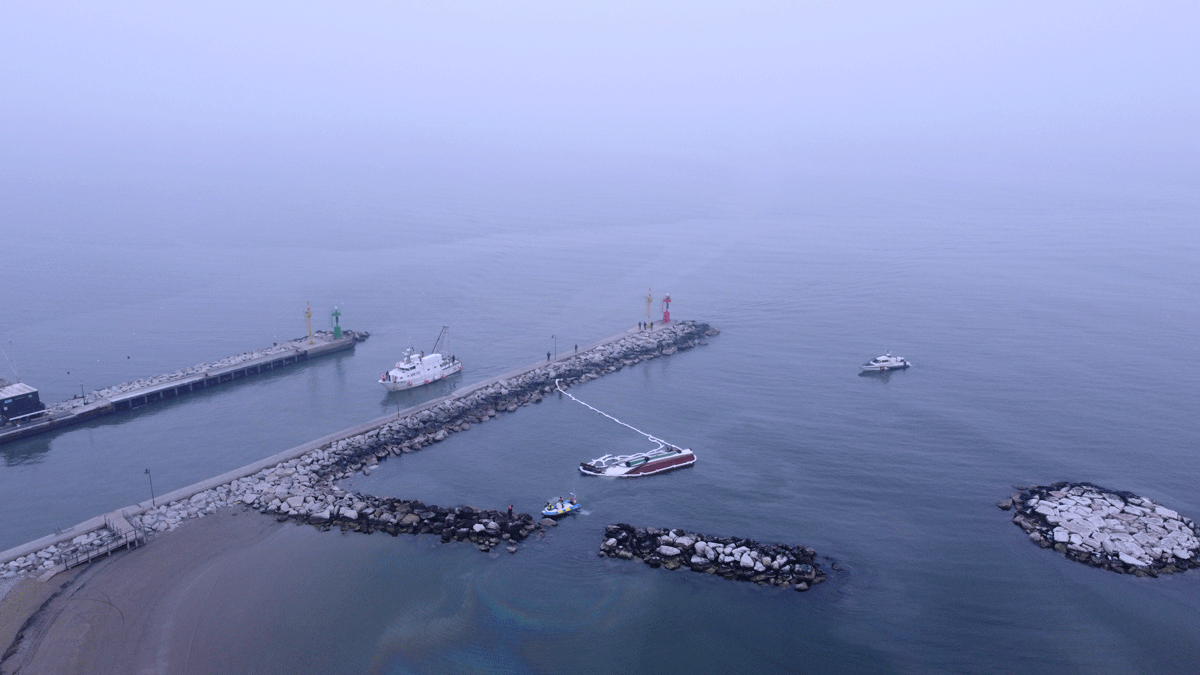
point(886, 362)
point(416, 370)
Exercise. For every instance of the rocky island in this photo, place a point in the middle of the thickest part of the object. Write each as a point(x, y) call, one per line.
point(1111, 529)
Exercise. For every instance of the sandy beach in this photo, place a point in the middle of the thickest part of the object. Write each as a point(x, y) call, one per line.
point(134, 612)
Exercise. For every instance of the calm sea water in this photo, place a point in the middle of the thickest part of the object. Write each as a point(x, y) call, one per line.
point(1050, 330)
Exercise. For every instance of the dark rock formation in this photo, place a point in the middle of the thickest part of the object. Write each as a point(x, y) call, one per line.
point(733, 558)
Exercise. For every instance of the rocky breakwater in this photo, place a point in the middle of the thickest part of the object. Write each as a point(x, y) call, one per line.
point(52, 556)
point(730, 557)
point(458, 413)
point(320, 502)
point(1114, 530)
point(485, 529)
point(305, 488)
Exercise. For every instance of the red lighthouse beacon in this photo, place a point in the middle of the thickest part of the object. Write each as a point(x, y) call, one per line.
point(666, 308)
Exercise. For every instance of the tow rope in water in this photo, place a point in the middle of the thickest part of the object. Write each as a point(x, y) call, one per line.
point(653, 439)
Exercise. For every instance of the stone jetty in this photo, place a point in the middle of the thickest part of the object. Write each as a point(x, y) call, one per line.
point(1111, 529)
point(304, 487)
point(485, 529)
point(739, 559)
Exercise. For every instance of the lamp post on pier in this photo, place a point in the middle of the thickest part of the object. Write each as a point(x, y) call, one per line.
point(152, 504)
point(555, 338)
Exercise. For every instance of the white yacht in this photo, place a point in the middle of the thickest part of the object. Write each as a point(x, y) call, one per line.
point(886, 362)
point(416, 370)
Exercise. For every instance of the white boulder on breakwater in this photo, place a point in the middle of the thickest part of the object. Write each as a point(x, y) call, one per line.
point(305, 488)
point(1115, 530)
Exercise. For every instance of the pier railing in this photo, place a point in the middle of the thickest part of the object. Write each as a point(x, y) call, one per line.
point(127, 536)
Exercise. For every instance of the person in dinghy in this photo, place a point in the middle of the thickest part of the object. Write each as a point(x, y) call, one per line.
point(561, 508)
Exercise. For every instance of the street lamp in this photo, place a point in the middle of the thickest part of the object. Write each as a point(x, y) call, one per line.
point(152, 504)
point(555, 338)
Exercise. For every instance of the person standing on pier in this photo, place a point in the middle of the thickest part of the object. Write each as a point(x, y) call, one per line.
point(547, 356)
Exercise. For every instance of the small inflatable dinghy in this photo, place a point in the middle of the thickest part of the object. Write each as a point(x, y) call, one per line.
point(561, 508)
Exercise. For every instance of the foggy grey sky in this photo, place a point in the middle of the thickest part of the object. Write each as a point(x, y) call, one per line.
point(1101, 82)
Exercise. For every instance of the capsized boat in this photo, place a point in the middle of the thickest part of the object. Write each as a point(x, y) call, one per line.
point(415, 371)
point(561, 508)
point(886, 362)
point(663, 458)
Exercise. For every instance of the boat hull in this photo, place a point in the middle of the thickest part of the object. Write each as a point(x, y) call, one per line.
point(881, 369)
point(646, 469)
point(411, 383)
point(884, 363)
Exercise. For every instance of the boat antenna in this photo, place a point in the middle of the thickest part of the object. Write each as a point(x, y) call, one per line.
point(10, 363)
point(442, 342)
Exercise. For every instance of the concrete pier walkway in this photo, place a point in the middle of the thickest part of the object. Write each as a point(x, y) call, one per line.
point(66, 414)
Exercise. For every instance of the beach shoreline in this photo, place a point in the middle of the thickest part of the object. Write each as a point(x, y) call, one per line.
point(128, 613)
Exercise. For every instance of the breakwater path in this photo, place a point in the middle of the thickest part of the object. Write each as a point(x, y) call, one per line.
point(130, 395)
point(300, 483)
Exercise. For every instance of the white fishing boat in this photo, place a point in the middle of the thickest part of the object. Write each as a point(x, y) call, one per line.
point(416, 370)
point(663, 458)
point(886, 362)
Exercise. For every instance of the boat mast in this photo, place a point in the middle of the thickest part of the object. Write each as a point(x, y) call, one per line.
point(443, 341)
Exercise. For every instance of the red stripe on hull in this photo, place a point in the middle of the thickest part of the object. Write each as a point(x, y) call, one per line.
point(656, 467)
